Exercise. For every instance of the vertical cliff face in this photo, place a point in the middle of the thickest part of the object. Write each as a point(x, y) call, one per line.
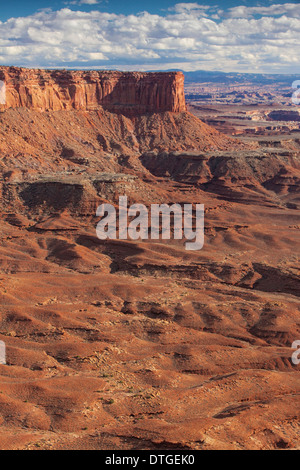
point(121, 92)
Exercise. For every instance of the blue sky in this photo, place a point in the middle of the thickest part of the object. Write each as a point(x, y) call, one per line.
point(14, 8)
point(240, 36)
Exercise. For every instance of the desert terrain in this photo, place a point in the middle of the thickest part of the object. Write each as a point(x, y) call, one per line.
point(142, 345)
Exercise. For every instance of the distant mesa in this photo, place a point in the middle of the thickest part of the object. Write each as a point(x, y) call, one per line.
point(284, 115)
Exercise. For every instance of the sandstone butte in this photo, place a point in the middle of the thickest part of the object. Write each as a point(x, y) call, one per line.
point(118, 92)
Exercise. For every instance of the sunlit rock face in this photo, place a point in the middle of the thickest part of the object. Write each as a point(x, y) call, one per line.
point(126, 93)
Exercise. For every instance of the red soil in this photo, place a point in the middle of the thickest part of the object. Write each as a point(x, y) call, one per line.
point(143, 345)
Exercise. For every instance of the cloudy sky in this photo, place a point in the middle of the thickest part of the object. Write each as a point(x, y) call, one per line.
point(242, 36)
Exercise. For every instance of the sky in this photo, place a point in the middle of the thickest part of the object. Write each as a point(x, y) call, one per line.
point(229, 36)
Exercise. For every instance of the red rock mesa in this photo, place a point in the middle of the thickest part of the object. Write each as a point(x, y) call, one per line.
point(125, 93)
point(139, 344)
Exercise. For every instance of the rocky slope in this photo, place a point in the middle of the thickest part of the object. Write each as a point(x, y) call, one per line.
point(141, 344)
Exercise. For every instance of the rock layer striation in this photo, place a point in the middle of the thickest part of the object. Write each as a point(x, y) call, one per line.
point(133, 93)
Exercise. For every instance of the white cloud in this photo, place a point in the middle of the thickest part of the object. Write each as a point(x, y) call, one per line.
point(190, 36)
point(190, 7)
point(83, 2)
point(288, 9)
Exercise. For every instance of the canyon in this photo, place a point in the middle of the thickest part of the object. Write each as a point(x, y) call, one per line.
point(122, 344)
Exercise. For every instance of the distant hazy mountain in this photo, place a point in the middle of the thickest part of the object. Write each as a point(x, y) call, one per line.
point(229, 78)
